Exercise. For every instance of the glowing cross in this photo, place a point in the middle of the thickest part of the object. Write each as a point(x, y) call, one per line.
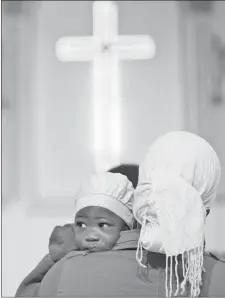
point(105, 48)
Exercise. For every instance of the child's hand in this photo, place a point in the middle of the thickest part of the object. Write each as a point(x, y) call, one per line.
point(62, 241)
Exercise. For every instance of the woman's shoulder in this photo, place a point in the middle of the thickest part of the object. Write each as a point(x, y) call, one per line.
point(213, 261)
point(213, 276)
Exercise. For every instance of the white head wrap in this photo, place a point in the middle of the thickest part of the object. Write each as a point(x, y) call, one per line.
point(177, 184)
point(112, 191)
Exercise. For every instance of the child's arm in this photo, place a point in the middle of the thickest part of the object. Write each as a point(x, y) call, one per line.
point(30, 285)
point(62, 241)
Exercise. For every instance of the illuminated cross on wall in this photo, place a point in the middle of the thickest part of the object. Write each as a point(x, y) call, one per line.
point(105, 48)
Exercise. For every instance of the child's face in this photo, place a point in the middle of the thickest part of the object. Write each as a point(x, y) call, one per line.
point(97, 227)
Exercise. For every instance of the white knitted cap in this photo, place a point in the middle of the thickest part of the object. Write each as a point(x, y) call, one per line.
point(112, 191)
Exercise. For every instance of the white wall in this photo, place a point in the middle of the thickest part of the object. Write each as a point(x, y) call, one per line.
point(24, 243)
point(205, 117)
point(152, 90)
point(63, 94)
point(55, 103)
point(212, 123)
point(202, 116)
point(217, 123)
point(9, 106)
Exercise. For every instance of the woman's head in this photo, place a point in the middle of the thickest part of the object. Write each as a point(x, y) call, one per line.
point(103, 208)
point(129, 170)
point(188, 156)
point(177, 183)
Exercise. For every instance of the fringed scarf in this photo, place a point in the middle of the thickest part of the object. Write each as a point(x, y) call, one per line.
point(177, 183)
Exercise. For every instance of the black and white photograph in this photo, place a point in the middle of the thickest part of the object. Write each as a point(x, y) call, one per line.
point(112, 148)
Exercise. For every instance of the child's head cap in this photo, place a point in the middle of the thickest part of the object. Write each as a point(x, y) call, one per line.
point(112, 191)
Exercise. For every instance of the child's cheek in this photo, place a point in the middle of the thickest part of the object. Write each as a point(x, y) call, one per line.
point(111, 239)
point(79, 240)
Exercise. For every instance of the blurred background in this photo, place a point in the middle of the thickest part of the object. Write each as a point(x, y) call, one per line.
point(47, 109)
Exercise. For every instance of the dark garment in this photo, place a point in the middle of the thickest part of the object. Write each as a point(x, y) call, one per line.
point(67, 272)
point(104, 274)
point(30, 285)
point(116, 273)
point(213, 277)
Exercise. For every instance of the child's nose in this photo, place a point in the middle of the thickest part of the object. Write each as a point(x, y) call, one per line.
point(92, 237)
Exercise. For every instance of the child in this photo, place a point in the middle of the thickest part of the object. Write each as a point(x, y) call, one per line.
point(177, 184)
point(103, 209)
point(62, 241)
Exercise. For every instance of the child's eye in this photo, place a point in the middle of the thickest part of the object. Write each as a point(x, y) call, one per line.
point(81, 224)
point(104, 225)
